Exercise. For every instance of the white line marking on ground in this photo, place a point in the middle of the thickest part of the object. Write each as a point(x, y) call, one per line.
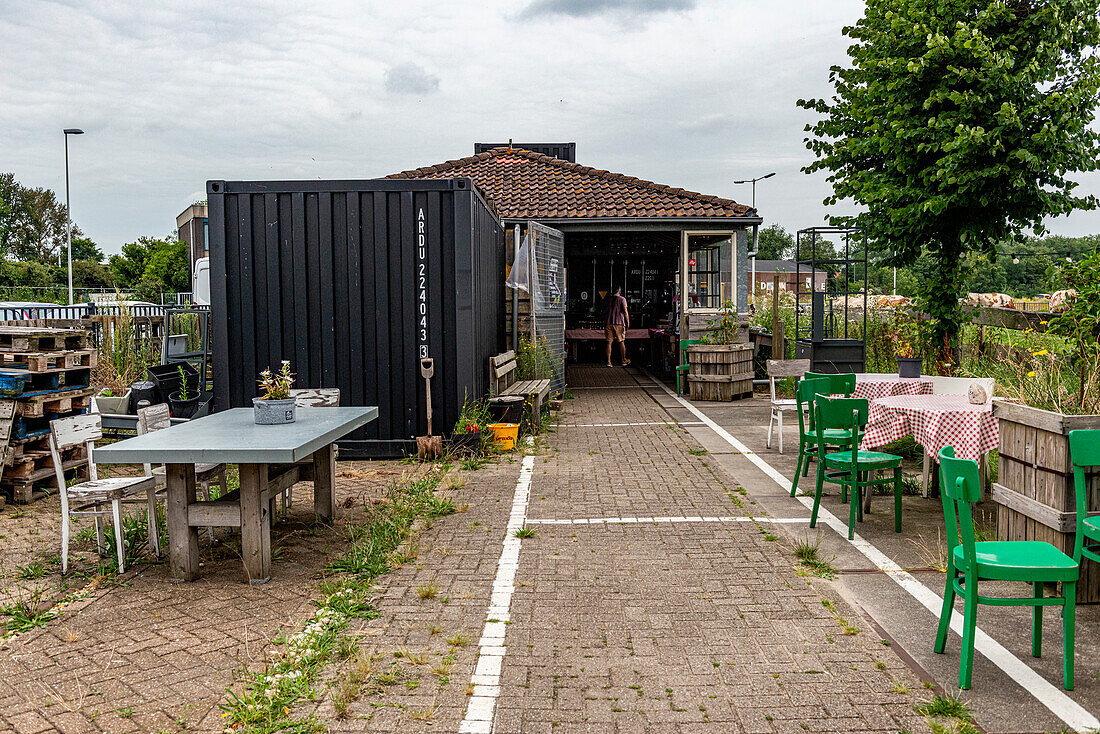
point(491, 649)
point(1061, 705)
point(624, 425)
point(628, 520)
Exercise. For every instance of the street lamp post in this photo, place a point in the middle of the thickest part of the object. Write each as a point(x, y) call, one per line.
point(756, 231)
point(68, 212)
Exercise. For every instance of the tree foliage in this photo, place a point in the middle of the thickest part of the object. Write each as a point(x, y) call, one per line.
point(151, 265)
point(32, 222)
point(775, 243)
point(957, 126)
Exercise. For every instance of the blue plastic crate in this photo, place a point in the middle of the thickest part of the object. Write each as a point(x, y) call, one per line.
point(11, 384)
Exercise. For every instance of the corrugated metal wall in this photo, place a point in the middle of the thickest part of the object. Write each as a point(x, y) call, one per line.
point(326, 274)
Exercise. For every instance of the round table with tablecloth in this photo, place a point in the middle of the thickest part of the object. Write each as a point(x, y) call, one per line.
point(934, 421)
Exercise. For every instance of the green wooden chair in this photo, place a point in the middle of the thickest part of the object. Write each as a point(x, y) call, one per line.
point(682, 369)
point(851, 467)
point(1032, 561)
point(1084, 450)
point(808, 438)
point(839, 384)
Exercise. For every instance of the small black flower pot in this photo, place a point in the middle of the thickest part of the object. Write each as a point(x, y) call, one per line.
point(183, 408)
point(909, 366)
point(466, 443)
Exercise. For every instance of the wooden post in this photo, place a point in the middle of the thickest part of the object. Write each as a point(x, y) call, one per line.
point(255, 523)
point(779, 347)
point(183, 540)
point(324, 482)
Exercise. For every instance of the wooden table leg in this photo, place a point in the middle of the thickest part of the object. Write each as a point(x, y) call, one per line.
point(255, 523)
point(324, 479)
point(183, 540)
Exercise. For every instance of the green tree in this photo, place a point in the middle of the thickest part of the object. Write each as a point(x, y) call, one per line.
point(776, 243)
point(32, 222)
point(957, 126)
point(151, 265)
point(83, 249)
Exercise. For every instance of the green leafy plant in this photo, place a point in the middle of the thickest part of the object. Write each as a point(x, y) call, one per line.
point(957, 126)
point(183, 393)
point(534, 360)
point(276, 385)
point(724, 328)
point(473, 418)
point(123, 354)
point(1080, 322)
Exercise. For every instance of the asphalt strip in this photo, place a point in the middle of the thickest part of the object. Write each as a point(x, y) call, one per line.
point(1061, 705)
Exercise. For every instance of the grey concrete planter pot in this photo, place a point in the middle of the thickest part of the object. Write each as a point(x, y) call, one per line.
point(116, 405)
point(273, 412)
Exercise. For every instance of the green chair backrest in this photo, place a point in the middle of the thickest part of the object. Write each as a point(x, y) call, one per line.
point(959, 489)
point(1084, 450)
point(842, 413)
point(842, 384)
point(687, 343)
point(804, 394)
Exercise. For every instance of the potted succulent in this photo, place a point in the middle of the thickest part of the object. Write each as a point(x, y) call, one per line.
point(183, 402)
point(275, 406)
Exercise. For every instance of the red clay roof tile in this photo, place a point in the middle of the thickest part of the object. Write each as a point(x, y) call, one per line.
point(522, 183)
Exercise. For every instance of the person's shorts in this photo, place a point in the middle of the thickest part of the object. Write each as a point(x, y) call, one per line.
point(616, 333)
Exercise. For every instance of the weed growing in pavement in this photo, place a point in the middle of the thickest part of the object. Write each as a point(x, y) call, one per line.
point(428, 591)
point(26, 610)
point(33, 570)
point(697, 452)
point(264, 704)
point(847, 628)
point(947, 715)
point(809, 558)
point(525, 532)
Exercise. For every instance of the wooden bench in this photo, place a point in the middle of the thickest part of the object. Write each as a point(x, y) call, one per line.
point(503, 385)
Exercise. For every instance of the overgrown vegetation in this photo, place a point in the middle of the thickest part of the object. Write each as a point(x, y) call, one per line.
point(534, 361)
point(123, 357)
point(265, 704)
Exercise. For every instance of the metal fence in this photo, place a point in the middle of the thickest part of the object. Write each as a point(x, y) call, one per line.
point(548, 307)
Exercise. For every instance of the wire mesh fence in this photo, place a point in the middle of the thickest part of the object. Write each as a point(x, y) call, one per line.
point(548, 306)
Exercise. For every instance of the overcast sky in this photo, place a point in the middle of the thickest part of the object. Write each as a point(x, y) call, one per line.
point(691, 93)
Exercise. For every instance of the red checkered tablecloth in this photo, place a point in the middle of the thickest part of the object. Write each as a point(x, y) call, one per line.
point(870, 385)
point(934, 421)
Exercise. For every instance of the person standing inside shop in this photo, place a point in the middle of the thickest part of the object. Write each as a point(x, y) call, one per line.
point(618, 321)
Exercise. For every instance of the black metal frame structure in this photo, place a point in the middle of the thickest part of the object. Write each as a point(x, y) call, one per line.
point(825, 337)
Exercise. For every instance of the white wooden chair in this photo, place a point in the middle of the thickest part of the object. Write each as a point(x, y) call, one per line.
point(781, 368)
point(96, 497)
point(157, 418)
point(312, 397)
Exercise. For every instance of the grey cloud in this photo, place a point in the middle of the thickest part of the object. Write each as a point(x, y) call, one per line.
point(585, 8)
point(410, 78)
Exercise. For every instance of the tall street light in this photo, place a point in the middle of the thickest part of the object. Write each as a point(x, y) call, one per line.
point(756, 230)
point(68, 212)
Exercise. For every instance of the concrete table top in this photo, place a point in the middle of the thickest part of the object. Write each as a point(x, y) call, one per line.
point(233, 437)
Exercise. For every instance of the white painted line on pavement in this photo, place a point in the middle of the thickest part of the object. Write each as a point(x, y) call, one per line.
point(628, 520)
point(1054, 698)
point(486, 678)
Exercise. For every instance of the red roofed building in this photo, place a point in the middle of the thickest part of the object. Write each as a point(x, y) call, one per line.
point(619, 231)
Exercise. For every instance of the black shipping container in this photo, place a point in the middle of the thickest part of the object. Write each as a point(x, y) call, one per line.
point(353, 282)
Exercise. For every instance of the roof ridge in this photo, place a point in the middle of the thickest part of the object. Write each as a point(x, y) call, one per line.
point(503, 150)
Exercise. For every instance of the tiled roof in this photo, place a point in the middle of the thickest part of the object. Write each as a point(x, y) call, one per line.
point(523, 184)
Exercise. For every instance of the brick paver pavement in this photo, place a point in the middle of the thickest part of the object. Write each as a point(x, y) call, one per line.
point(644, 627)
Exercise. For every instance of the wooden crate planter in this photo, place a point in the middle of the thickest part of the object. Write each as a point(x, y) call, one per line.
point(1034, 489)
point(720, 372)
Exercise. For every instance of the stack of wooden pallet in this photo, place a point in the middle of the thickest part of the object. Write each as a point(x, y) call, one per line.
point(45, 374)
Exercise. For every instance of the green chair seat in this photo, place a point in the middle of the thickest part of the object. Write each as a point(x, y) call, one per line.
point(1091, 526)
point(865, 460)
point(1019, 560)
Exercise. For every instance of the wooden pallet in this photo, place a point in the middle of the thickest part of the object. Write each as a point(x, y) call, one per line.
point(42, 482)
point(60, 403)
point(24, 339)
point(37, 463)
point(54, 380)
point(47, 361)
